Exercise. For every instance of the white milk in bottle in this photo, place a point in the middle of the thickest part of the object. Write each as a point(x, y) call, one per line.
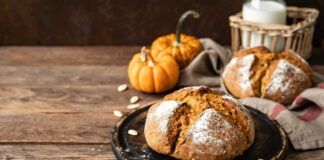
point(265, 12)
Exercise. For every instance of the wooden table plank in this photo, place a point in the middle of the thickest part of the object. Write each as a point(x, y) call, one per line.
point(62, 75)
point(80, 114)
point(50, 151)
point(48, 56)
point(96, 151)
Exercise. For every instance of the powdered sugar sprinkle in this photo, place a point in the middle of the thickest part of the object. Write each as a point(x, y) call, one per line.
point(208, 125)
point(201, 130)
point(281, 82)
point(243, 72)
point(164, 112)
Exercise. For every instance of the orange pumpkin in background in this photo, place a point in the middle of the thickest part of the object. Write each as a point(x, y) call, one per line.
point(183, 48)
point(153, 75)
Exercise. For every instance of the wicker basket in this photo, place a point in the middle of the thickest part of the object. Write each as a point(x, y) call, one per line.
point(297, 36)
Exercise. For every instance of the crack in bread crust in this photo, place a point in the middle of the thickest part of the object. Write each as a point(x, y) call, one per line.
point(166, 121)
point(261, 74)
point(202, 99)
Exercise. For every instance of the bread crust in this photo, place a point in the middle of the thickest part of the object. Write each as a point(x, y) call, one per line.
point(238, 76)
point(280, 83)
point(283, 82)
point(163, 137)
point(212, 127)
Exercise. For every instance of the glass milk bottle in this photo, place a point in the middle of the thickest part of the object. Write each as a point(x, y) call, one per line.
point(265, 12)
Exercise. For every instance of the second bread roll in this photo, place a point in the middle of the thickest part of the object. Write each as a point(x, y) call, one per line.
point(257, 72)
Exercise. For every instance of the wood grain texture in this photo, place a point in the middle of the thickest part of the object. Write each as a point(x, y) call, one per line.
point(57, 102)
point(96, 151)
point(66, 114)
point(67, 56)
point(121, 22)
point(51, 151)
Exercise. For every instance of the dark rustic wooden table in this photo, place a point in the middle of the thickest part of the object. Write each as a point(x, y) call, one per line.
point(57, 102)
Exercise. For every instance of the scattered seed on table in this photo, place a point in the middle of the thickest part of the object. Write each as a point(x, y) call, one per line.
point(134, 99)
point(132, 132)
point(118, 113)
point(133, 106)
point(122, 88)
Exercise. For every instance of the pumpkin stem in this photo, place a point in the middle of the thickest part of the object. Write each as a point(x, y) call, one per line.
point(184, 16)
point(143, 54)
point(146, 56)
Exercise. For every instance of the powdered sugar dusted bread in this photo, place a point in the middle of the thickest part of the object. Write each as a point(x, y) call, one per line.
point(239, 70)
point(198, 123)
point(278, 77)
point(162, 124)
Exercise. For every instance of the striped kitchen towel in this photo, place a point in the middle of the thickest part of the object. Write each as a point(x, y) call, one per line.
point(303, 121)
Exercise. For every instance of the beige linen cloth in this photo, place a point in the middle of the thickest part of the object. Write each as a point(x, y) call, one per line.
point(303, 120)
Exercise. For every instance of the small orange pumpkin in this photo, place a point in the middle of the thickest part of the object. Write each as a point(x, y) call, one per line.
point(151, 75)
point(183, 48)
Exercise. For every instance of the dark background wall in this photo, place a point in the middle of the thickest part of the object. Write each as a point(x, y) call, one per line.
point(119, 22)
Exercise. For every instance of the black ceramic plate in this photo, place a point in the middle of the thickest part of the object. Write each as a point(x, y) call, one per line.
point(270, 140)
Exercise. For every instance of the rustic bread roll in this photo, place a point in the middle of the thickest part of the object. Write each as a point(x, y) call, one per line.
point(257, 72)
point(198, 123)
